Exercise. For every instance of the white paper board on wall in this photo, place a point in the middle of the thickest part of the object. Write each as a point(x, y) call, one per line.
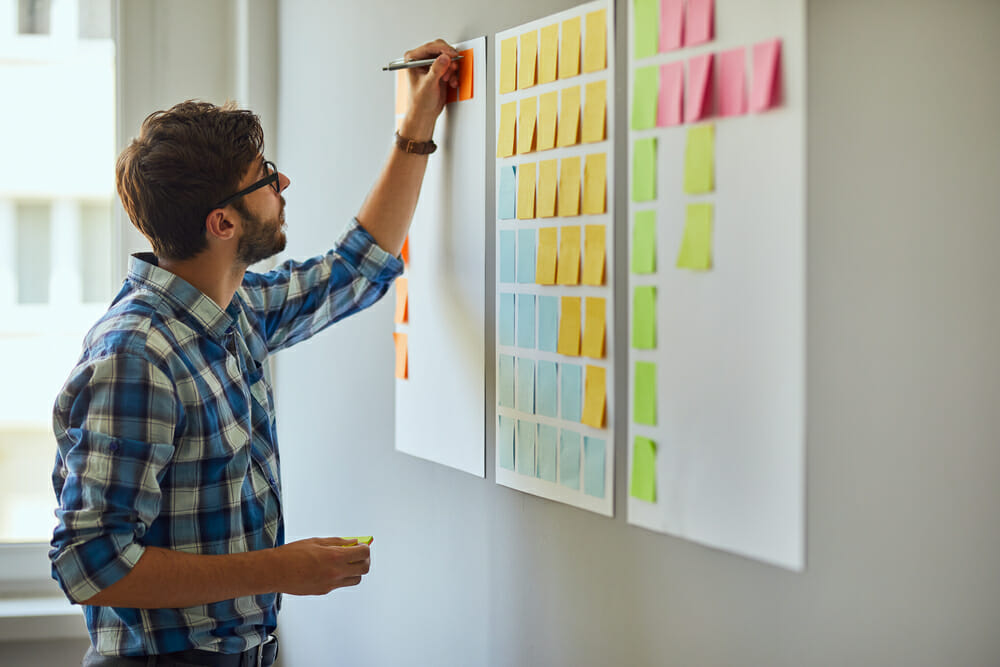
point(440, 405)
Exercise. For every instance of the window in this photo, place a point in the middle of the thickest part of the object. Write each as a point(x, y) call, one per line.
point(33, 17)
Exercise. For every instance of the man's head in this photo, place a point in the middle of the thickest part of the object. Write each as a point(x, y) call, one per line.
point(185, 161)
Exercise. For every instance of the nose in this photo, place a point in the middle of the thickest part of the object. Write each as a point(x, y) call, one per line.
point(283, 181)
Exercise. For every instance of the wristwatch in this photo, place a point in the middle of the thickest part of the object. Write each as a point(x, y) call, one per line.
point(415, 147)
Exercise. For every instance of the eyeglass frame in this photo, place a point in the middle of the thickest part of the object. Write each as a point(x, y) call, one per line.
point(270, 179)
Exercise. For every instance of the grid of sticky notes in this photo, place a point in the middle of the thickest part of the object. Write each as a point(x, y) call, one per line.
point(676, 91)
point(554, 251)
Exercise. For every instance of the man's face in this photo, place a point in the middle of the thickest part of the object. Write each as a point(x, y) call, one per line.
point(263, 213)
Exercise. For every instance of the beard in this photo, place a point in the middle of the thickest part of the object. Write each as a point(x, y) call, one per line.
point(261, 239)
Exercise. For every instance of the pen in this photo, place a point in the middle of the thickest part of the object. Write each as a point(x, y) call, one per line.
point(409, 64)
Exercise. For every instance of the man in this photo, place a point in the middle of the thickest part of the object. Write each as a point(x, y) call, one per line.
point(170, 527)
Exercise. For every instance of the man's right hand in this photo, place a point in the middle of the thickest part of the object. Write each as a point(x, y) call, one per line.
point(318, 565)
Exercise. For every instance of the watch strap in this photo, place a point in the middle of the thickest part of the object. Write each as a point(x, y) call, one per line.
point(413, 146)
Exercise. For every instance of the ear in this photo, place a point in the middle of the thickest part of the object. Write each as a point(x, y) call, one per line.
point(219, 224)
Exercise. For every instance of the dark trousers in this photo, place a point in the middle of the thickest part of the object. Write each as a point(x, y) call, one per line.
point(259, 656)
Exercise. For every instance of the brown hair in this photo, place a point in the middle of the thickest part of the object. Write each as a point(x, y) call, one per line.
point(184, 161)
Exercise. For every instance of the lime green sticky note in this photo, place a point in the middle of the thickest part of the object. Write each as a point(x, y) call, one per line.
point(645, 94)
point(647, 28)
point(364, 539)
point(644, 170)
point(699, 160)
point(696, 248)
point(644, 242)
point(644, 318)
point(645, 393)
point(643, 484)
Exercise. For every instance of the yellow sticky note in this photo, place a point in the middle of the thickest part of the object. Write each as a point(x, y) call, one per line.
point(508, 65)
point(569, 117)
point(548, 53)
point(569, 326)
point(595, 55)
point(594, 184)
point(508, 121)
point(569, 256)
point(594, 112)
point(526, 191)
point(593, 255)
point(696, 248)
point(548, 108)
point(547, 174)
point(548, 247)
point(569, 53)
point(526, 125)
point(364, 539)
point(699, 160)
point(593, 329)
point(526, 69)
point(569, 186)
point(594, 395)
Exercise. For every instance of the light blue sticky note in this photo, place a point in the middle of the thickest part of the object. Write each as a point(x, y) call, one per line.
point(506, 381)
point(508, 256)
point(548, 323)
point(526, 385)
point(547, 436)
point(572, 392)
point(526, 321)
point(569, 459)
point(525, 456)
point(526, 255)
point(506, 333)
point(505, 443)
point(507, 204)
point(593, 467)
point(547, 389)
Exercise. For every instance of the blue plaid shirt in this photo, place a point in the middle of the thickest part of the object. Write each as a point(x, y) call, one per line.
point(166, 436)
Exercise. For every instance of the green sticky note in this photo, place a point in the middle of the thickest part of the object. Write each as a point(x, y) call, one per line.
point(644, 96)
point(364, 539)
point(644, 242)
point(699, 160)
point(696, 248)
point(644, 170)
point(645, 393)
point(643, 484)
point(647, 28)
point(644, 318)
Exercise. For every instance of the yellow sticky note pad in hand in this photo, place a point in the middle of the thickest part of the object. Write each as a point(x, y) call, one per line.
point(364, 539)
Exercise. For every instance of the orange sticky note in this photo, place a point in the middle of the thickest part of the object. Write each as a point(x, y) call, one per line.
point(593, 329)
point(526, 191)
point(594, 395)
point(548, 53)
point(594, 245)
point(404, 254)
point(594, 184)
point(402, 91)
point(595, 56)
point(452, 95)
point(547, 174)
point(548, 109)
point(466, 70)
point(548, 247)
point(569, 186)
point(526, 68)
point(569, 326)
point(594, 112)
point(402, 301)
point(569, 256)
point(526, 125)
point(569, 117)
point(508, 123)
point(508, 65)
point(569, 53)
point(402, 363)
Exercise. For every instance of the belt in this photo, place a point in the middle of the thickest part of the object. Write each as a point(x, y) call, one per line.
point(262, 655)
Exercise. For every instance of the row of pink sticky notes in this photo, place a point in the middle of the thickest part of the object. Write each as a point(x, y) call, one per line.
point(731, 99)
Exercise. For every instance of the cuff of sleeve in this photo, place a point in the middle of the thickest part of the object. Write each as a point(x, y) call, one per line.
point(359, 248)
point(79, 587)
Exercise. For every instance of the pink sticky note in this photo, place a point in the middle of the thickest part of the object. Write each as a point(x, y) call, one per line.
point(671, 24)
point(699, 99)
point(700, 27)
point(671, 103)
point(732, 97)
point(766, 75)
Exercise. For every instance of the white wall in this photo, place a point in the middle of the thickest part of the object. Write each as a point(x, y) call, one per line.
point(903, 383)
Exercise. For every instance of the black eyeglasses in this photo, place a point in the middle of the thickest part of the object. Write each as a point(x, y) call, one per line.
point(271, 178)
